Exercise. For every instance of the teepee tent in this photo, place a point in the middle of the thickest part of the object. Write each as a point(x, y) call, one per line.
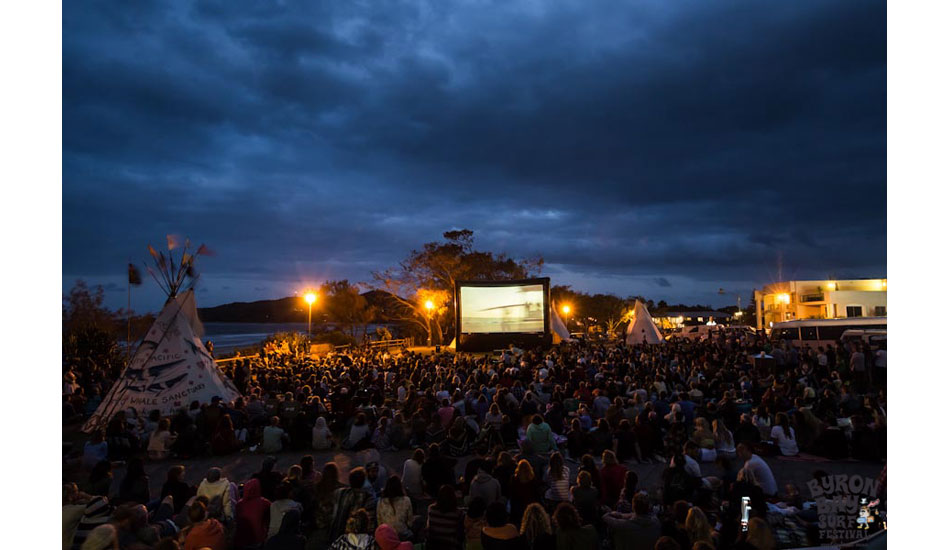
point(642, 328)
point(559, 330)
point(171, 367)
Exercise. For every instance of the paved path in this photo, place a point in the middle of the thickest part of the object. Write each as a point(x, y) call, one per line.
point(240, 466)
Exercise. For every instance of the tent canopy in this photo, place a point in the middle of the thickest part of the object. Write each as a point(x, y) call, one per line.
point(170, 369)
point(642, 328)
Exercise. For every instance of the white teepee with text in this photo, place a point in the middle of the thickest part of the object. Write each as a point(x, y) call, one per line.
point(171, 367)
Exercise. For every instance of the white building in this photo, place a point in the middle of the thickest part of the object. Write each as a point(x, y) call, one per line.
point(822, 299)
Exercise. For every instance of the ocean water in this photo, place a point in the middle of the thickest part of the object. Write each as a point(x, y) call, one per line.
point(230, 336)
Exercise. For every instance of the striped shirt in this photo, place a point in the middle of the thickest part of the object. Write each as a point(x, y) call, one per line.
point(560, 489)
point(446, 529)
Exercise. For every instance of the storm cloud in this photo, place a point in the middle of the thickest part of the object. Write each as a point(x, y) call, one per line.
point(667, 149)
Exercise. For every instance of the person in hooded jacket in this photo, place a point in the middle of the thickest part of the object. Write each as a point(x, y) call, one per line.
point(252, 515)
point(321, 437)
point(484, 486)
point(387, 539)
point(204, 532)
point(268, 477)
point(217, 489)
point(288, 537)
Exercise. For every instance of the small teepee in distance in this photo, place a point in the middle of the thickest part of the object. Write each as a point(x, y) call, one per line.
point(559, 332)
point(171, 367)
point(642, 328)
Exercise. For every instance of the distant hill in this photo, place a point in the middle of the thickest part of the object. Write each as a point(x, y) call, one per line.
point(284, 310)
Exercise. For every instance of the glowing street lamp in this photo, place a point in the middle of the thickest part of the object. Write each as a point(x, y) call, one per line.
point(430, 307)
point(310, 298)
point(566, 309)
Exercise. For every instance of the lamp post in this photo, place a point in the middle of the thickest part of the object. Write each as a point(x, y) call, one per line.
point(566, 310)
point(430, 306)
point(310, 298)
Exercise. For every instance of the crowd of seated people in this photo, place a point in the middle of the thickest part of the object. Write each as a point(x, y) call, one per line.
point(517, 424)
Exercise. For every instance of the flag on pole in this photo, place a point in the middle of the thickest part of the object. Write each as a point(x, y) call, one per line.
point(135, 278)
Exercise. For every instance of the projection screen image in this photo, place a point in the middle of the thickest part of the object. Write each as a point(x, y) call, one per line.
point(486, 309)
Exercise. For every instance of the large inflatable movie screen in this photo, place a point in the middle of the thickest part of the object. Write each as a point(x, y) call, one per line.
point(499, 309)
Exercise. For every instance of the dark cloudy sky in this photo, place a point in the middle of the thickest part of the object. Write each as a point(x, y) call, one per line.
point(660, 148)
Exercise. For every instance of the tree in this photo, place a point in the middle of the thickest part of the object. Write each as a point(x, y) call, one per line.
point(83, 308)
point(428, 276)
point(89, 328)
point(610, 311)
point(345, 306)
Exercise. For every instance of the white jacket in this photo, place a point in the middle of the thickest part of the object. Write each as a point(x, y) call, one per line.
point(220, 488)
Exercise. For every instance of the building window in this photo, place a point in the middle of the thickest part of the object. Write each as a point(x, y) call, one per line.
point(854, 311)
point(880, 311)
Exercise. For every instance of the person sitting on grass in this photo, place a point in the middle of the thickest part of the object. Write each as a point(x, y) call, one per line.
point(540, 436)
point(356, 535)
point(281, 505)
point(639, 530)
point(203, 532)
point(755, 470)
point(274, 437)
point(349, 499)
point(446, 524)
point(217, 490)
point(499, 534)
point(570, 532)
point(288, 537)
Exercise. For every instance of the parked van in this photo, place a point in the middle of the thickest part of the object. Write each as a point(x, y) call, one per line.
point(870, 336)
point(823, 332)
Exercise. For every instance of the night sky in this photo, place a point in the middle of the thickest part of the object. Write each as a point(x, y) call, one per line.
point(667, 149)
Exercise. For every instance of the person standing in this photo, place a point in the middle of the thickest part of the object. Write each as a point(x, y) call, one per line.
point(858, 369)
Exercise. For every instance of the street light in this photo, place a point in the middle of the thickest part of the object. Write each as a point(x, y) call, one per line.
point(310, 298)
point(429, 305)
point(565, 309)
